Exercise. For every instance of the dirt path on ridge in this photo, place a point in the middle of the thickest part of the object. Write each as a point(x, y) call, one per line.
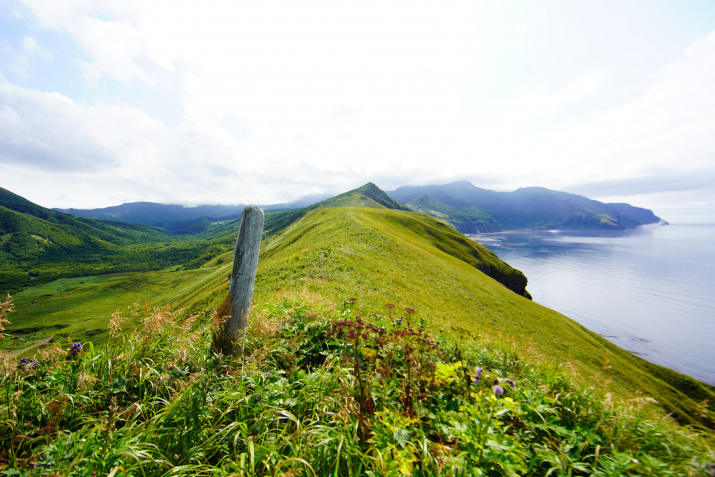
point(17, 352)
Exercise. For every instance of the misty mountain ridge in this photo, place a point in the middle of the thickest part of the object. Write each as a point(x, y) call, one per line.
point(467, 208)
point(161, 215)
point(471, 209)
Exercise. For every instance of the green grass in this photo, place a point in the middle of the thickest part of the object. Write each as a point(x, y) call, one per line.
point(80, 308)
point(322, 392)
point(381, 256)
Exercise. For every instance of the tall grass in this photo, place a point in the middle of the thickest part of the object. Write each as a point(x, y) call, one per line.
point(328, 393)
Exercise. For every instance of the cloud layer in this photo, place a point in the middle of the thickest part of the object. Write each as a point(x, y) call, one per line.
point(236, 103)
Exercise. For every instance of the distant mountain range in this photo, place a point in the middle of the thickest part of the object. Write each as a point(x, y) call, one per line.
point(168, 215)
point(467, 208)
point(470, 209)
point(40, 243)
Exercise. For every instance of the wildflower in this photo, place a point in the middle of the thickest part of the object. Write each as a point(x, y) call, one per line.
point(498, 390)
point(477, 372)
point(390, 306)
point(76, 349)
point(29, 363)
point(251, 357)
point(511, 382)
point(268, 373)
point(409, 310)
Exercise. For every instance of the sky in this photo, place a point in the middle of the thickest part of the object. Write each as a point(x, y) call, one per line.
point(104, 102)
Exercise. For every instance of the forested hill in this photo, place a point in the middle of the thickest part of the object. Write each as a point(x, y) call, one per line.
point(471, 209)
point(55, 233)
point(154, 214)
point(39, 245)
point(168, 216)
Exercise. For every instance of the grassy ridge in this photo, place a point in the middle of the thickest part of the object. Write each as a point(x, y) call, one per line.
point(321, 391)
point(377, 255)
point(382, 255)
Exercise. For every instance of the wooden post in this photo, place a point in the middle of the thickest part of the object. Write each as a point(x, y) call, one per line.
point(243, 276)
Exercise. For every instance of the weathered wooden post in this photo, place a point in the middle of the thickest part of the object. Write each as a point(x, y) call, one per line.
point(243, 276)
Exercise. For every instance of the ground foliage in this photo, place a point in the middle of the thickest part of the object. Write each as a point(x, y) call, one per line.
point(319, 393)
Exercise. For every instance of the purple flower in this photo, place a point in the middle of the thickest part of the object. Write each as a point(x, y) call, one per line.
point(477, 380)
point(478, 371)
point(511, 382)
point(29, 363)
point(498, 390)
point(76, 349)
point(268, 373)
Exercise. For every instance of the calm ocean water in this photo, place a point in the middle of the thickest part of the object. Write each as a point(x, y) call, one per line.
point(650, 290)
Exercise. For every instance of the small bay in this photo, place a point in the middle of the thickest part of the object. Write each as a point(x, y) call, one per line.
point(649, 289)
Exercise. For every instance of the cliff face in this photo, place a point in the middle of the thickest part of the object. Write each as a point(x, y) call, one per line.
point(514, 280)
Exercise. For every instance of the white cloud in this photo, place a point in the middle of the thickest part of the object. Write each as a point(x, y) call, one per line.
point(290, 98)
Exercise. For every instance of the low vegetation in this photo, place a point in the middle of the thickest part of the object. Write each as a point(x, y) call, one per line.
point(320, 394)
point(376, 346)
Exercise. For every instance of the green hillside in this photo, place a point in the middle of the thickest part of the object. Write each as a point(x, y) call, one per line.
point(465, 217)
point(332, 381)
point(368, 195)
point(38, 245)
point(524, 208)
point(381, 256)
point(153, 214)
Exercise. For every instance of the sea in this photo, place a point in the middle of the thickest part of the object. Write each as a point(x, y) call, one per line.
point(649, 290)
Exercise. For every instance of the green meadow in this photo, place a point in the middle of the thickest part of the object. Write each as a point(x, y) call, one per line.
point(377, 340)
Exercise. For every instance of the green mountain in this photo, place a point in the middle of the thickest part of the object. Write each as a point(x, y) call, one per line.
point(333, 381)
point(171, 216)
point(38, 245)
point(465, 207)
point(465, 217)
point(469, 208)
point(154, 214)
point(368, 195)
point(383, 255)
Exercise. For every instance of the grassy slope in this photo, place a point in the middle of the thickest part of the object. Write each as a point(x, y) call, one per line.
point(381, 256)
point(368, 195)
point(378, 256)
point(157, 402)
point(80, 308)
point(466, 218)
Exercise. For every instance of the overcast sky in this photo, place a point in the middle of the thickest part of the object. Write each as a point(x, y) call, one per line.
point(111, 101)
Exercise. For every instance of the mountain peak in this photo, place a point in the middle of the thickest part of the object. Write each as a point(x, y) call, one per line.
point(368, 195)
